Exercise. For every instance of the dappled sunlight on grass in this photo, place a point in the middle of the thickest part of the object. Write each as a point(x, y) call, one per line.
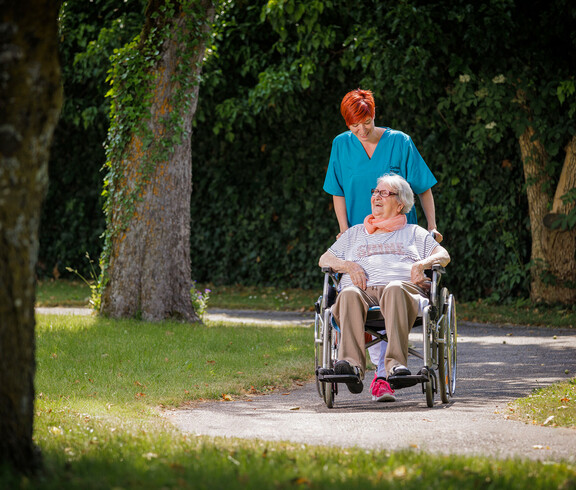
point(138, 363)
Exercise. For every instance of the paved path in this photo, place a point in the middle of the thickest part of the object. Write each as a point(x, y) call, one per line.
point(496, 364)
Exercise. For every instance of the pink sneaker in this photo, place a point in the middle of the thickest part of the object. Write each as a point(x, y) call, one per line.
point(381, 391)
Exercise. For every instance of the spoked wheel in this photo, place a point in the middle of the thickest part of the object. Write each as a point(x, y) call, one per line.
point(429, 348)
point(442, 372)
point(328, 352)
point(318, 332)
point(451, 340)
point(443, 356)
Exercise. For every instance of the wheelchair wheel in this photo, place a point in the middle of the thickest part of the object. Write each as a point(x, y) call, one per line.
point(430, 350)
point(318, 351)
point(443, 357)
point(451, 340)
point(428, 389)
point(329, 348)
point(329, 392)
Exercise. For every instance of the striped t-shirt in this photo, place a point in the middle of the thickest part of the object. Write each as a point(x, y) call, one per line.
point(385, 257)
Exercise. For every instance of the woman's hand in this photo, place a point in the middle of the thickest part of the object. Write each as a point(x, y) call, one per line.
point(437, 235)
point(357, 274)
point(418, 277)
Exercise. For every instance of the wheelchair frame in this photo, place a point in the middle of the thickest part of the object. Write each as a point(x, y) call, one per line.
point(439, 330)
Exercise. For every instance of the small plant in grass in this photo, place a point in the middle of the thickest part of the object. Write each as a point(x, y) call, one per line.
point(200, 300)
point(93, 284)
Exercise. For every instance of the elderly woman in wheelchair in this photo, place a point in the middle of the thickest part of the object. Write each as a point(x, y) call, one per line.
point(380, 265)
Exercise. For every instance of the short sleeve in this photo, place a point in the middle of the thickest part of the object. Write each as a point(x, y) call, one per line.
point(332, 182)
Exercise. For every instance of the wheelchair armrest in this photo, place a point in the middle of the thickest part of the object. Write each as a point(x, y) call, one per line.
point(438, 268)
point(327, 270)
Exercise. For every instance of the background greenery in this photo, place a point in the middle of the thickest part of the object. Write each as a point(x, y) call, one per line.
point(269, 109)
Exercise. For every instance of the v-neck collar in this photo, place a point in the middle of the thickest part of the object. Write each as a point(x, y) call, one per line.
point(375, 148)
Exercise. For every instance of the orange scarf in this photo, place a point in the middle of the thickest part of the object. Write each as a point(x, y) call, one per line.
point(386, 224)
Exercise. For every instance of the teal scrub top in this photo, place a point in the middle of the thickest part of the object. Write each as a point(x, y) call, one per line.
point(352, 174)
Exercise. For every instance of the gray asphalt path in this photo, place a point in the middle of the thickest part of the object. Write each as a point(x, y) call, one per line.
point(496, 364)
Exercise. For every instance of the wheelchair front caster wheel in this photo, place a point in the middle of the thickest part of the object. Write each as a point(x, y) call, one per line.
point(329, 389)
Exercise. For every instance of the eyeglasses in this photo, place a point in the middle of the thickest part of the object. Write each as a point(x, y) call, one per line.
point(383, 193)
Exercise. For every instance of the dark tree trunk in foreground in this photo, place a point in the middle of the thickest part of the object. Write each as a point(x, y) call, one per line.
point(30, 100)
point(148, 271)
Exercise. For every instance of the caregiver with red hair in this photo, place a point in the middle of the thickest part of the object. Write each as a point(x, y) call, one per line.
point(366, 152)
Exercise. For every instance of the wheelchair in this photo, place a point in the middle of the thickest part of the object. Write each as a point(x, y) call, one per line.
point(438, 351)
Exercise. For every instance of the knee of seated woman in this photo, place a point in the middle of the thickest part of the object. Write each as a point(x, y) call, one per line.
point(394, 285)
point(350, 291)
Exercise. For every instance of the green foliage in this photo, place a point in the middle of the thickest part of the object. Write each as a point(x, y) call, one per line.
point(462, 79)
point(275, 107)
point(72, 219)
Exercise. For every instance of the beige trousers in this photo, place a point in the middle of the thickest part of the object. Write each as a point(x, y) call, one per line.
point(399, 302)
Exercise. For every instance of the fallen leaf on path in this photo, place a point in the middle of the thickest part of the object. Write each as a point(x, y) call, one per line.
point(226, 397)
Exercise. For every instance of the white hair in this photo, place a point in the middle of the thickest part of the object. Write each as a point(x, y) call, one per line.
point(398, 184)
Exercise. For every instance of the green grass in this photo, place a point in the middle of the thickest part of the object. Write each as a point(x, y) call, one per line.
point(62, 293)
point(261, 298)
point(125, 363)
point(554, 406)
point(523, 313)
point(100, 384)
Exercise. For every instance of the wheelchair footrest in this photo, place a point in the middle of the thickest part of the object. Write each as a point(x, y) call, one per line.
point(399, 382)
point(327, 375)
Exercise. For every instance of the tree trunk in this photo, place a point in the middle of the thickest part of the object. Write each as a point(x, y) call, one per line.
point(553, 250)
point(30, 101)
point(560, 245)
point(149, 272)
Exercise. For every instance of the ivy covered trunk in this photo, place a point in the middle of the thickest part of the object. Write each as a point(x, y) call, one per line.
point(553, 248)
point(30, 101)
point(146, 261)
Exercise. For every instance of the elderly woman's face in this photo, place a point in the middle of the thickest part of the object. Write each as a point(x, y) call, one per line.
point(384, 202)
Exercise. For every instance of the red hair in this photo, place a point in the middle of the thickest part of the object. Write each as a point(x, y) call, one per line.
point(357, 105)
